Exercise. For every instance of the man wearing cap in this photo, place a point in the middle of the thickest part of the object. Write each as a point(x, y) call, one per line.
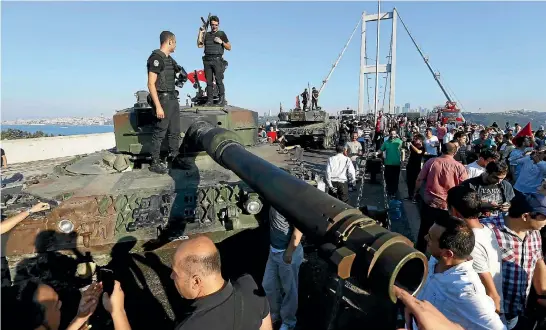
point(520, 243)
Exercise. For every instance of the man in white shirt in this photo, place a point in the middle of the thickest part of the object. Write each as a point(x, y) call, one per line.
point(354, 149)
point(336, 174)
point(431, 145)
point(478, 167)
point(463, 202)
point(452, 285)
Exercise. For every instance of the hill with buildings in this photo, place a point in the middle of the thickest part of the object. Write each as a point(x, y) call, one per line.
point(521, 117)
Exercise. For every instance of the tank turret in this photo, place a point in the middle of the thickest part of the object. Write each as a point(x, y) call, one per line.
point(311, 128)
point(133, 126)
point(110, 195)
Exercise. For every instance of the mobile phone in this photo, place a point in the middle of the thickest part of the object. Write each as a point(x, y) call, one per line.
point(107, 279)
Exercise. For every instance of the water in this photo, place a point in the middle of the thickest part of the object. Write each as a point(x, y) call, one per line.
point(62, 130)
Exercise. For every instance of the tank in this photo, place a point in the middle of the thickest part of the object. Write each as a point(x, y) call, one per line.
point(312, 128)
point(110, 196)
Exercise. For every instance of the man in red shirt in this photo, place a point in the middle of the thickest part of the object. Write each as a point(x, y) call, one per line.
point(438, 175)
point(271, 135)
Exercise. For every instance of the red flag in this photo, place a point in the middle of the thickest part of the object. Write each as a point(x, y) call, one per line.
point(200, 76)
point(526, 131)
point(297, 102)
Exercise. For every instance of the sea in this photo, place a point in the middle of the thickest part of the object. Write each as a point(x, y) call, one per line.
point(62, 130)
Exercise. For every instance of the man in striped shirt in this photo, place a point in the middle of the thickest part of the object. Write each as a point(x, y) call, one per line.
point(518, 236)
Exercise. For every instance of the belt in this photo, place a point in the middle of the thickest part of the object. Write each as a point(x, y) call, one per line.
point(166, 93)
point(212, 57)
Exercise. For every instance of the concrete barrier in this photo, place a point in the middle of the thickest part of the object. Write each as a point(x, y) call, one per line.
point(29, 150)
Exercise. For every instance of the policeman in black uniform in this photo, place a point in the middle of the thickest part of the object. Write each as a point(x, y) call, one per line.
point(162, 75)
point(304, 97)
point(214, 43)
point(314, 99)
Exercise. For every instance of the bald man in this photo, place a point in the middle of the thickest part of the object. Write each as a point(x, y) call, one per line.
point(218, 304)
point(438, 175)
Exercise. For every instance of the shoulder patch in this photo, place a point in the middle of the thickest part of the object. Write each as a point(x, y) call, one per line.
point(156, 63)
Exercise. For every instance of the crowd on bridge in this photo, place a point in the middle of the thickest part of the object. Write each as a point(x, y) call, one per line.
point(481, 195)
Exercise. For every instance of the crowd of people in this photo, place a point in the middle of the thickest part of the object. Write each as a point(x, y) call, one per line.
point(481, 195)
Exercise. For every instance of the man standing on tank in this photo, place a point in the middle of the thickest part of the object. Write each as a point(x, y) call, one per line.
point(162, 70)
point(214, 65)
point(314, 99)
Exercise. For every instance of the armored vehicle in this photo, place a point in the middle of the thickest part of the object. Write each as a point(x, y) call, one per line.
point(308, 128)
point(110, 196)
point(348, 115)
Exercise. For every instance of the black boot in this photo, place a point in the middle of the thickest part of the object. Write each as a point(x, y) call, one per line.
point(209, 103)
point(158, 167)
point(221, 100)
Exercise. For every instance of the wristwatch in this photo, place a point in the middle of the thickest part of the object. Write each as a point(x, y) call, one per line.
point(29, 210)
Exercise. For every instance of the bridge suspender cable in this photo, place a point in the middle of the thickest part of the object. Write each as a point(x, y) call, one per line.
point(424, 58)
point(338, 58)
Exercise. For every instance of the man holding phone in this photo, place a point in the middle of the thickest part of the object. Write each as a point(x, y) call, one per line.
point(493, 191)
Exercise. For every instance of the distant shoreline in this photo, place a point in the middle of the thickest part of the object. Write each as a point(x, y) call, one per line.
point(64, 130)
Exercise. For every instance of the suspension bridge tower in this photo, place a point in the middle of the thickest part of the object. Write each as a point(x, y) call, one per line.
point(377, 68)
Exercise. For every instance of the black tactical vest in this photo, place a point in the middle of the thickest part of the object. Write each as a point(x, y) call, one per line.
point(166, 78)
point(211, 47)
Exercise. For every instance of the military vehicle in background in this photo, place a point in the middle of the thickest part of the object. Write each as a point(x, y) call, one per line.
point(106, 197)
point(311, 128)
point(347, 114)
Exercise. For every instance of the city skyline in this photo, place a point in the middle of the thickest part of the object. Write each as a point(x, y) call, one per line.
point(104, 119)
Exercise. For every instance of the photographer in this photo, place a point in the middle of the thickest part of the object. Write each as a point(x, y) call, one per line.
point(493, 191)
point(37, 306)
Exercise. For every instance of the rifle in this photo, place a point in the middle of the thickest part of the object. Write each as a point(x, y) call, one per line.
point(205, 23)
point(200, 35)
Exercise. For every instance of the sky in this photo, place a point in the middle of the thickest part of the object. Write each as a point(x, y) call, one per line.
point(87, 58)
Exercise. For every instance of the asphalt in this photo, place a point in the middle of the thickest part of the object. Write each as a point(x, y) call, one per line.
point(152, 302)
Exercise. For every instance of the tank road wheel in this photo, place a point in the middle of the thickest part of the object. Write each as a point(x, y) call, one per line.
point(327, 142)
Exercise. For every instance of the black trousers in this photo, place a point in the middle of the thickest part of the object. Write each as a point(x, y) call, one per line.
point(378, 139)
point(428, 215)
point(412, 172)
point(6, 276)
point(169, 124)
point(342, 192)
point(214, 70)
point(314, 104)
point(392, 175)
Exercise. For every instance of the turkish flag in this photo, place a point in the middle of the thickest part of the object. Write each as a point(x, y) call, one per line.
point(526, 131)
point(200, 76)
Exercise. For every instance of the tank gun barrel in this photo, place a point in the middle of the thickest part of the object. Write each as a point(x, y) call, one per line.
point(355, 244)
